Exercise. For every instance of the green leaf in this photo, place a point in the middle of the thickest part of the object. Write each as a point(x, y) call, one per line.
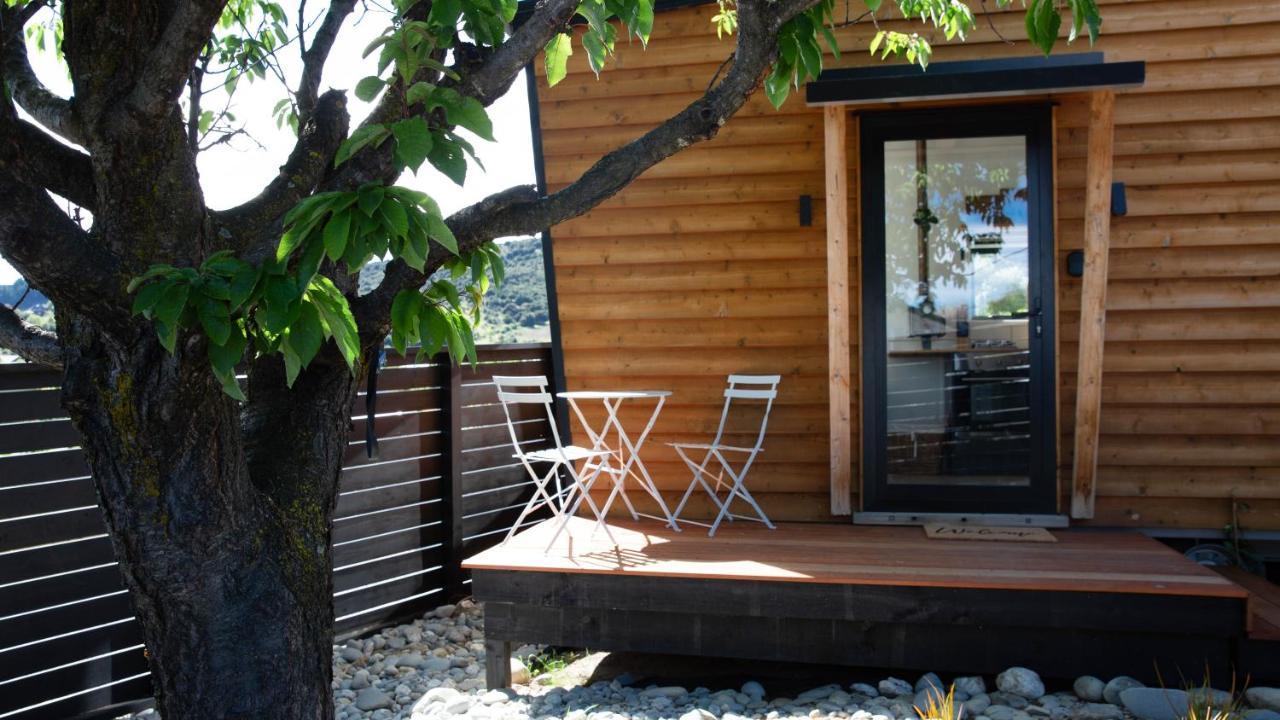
point(433, 328)
point(306, 334)
point(223, 359)
point(336, 232)
point(872, 5)
point(363, 136)
point(337, 316)
point(556, 58)
point(441, 233)
point(404, 318)
point(215, 318)
point(281, 296)
point(778, 85)
point(171, 303)
point(496, 264)
point(413, 141)
point(368, 88)
point(470, 114)
point(149, 295)
point(419, 92)
point(446, 156)
point(292, 364)
point(242, 285)
point(152, 272)
point(397, 222)
point(370, 199)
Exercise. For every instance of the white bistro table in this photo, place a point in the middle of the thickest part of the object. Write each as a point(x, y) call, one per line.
point(612, 436)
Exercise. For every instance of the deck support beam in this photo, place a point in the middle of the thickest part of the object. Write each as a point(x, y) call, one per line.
point(835, 138)
point(1093, 301)
point(497, 663)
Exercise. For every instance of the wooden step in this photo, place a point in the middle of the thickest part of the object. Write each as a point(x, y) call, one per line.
point(1264, 602)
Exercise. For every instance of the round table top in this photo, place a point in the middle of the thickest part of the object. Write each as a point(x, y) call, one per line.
point(612, 394)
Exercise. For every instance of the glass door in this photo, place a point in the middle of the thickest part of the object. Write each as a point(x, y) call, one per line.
point(957, 292)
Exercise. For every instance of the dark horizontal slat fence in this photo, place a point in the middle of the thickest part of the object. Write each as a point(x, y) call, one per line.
point(442, 485)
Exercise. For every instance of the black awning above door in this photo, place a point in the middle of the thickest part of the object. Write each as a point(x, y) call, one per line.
point(973, 78)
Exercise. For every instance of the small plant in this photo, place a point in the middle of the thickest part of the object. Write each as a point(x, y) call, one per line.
point(939, 707)
point(1201, 703)
point(551, 660)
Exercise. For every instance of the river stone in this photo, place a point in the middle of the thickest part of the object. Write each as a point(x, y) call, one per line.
point(816, 694)
point(1155, 703)
point(929, 680)
point(1263, 698)
point(459, 705)
point(865, 689)
point(1111, 693)
point(1017, 702)
point(753, 690)
point(372, 699)
point(1261, 715)
point(1021, 682)
point(1212, 697)
point(520, 674)
point(971, 685)
point(976, 705)
point(360, 680)
point(1000, 712)
point(893, 687)
point(669, 691)
point(1097, 711)
point(1089, 688)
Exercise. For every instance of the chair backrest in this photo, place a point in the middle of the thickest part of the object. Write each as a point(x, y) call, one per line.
point(749, 387)
point(525, 390)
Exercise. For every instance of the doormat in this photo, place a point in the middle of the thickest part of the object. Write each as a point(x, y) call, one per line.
point(944, 531)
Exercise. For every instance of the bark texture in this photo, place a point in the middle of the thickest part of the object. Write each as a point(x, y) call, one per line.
point(220, 512)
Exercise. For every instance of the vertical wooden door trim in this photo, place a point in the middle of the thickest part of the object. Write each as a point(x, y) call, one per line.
point(1093, 301)
point(835, 128)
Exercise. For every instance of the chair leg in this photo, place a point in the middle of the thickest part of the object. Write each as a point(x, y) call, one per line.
point(699, 478)
point(539, 488)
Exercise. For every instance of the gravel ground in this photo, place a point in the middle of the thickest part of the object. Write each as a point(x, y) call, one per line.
point(433, 669)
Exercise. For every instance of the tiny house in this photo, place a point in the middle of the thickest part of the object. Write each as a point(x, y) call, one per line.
point(1009, 290)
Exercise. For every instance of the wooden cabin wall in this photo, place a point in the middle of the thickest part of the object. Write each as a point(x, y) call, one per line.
point(701, 267)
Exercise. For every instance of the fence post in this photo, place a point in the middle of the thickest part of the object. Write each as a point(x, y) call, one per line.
point(451, 389)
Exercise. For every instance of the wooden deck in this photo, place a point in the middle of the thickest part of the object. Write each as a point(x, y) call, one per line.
point(1081, 561)
point(1097, 602)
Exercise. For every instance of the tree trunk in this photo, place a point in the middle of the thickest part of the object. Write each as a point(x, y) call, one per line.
point(221, 525)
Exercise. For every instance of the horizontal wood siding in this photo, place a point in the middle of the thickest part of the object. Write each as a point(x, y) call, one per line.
point(701, 267)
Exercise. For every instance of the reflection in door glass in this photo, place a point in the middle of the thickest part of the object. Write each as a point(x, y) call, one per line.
point(956, 311)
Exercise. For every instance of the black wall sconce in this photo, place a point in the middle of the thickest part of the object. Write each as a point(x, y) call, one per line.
point(1119, 205)
point(806, 211)
point(1075, 263)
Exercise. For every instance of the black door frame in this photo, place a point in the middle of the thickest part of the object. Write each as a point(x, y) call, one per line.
point(1034, 121)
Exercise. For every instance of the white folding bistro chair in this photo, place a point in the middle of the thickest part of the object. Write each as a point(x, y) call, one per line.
point(564, 502)
point(710, 476)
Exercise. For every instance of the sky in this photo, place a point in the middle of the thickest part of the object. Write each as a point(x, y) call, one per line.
point(234, 172)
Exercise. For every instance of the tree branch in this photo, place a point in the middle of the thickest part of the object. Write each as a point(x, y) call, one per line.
point(55, 255)
point(50, 110)
point(28, 341)
point(33, 155)
point(308, 164)
point(168, 65)
point(314, 57)
point(490, 81)
point(520, 211)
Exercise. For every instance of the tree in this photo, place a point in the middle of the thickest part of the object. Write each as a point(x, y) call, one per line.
point(219, 497)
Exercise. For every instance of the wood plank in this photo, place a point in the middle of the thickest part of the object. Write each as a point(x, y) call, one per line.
point(840, 428)
point(1093, 304)
point(861, 555)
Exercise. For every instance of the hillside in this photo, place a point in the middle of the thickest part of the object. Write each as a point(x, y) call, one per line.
point(516, 310)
